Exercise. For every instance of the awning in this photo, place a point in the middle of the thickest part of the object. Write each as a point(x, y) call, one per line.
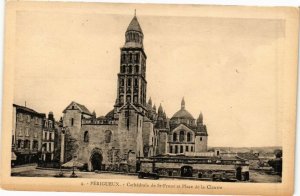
point(73, 163)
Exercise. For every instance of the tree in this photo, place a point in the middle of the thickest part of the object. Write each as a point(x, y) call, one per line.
point(278, 153)
point(277, 162)
point(71, 146)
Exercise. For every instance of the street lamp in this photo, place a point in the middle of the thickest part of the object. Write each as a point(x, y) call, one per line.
point(73, 175)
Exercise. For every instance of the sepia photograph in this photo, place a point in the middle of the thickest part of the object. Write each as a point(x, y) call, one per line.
point(201, 96)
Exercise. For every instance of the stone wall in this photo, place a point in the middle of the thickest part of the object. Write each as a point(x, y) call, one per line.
point(162, 143)
point(130, 134)
point(200, 143)
point(104, 138)
point(67, 121)
point(148, 138)
point(120, 145)
point(175, 169)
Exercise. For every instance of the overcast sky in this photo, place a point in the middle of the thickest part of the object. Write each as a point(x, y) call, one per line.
point(224, 67)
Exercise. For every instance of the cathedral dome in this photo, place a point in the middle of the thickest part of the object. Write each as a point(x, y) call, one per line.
point(183, 113)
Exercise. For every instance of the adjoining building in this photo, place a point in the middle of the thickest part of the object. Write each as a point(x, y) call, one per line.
point(48, 138)
point(26, 135)
point(203, 166)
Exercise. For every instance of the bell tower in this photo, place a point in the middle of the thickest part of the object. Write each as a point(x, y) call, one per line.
point(132, 84)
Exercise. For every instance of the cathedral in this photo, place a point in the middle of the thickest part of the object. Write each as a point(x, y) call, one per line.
point(134, 129)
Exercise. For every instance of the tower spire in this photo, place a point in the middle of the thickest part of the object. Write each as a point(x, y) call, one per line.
point(132, 85)
point(200, 118)
point(150, 101)
point(182, 103)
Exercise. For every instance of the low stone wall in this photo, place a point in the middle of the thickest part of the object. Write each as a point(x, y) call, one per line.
point(194, 170)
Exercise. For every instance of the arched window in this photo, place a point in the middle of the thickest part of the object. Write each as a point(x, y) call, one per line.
point(174, 137)
point(130, 69)
point(72, 121)
point(129, 82)
point(130, 58)
point(189, 138)
point(135, 82)
point(176, 149)
point(181, 136)
point(137, 58)
point(108, 136)
point(200, 138)
point(137, 69)
point(86, 136)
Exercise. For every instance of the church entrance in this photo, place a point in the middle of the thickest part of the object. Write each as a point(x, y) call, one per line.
point(186, 171)
point(239, 173)
point(96, 161)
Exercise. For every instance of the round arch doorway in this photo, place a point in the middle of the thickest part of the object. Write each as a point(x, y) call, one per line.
point(186, 171)
point(96, 160)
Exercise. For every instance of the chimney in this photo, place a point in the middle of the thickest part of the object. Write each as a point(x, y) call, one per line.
point(50, 116)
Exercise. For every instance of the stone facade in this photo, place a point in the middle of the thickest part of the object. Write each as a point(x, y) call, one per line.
point(148, 138)
point(134, 129)
point(73, 116)
point(187, 135)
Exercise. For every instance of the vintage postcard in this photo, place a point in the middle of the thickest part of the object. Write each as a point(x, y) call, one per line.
point(149, 98)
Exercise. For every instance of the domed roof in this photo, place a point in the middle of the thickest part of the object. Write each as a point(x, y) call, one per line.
point(183, 113)
point(134, 25)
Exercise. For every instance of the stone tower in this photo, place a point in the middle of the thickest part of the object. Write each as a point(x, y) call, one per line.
point(132, 82)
